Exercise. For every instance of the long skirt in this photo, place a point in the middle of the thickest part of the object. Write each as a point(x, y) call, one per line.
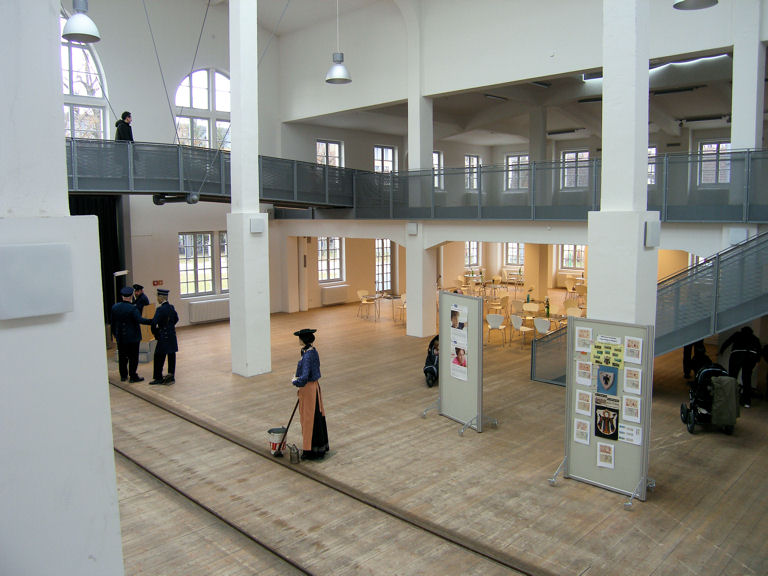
point(313, 429)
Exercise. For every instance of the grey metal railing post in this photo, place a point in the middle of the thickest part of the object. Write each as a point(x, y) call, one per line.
point(325, 181)
point(181, 169)
point(432, 195)
point(261, 180)
point(75, 183)
point(354, 194)
point(479, 191)
point(130, 167)
point(295, 180)
point(665, 189)
point(391, 195)
point(532, 190)
point(715, 292)
point(223, 175)
point(747, 176)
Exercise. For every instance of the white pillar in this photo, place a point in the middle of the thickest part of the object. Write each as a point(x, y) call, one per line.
point(421, 271)
point(249, 303)
point(58, 493)
point(622, 271)
point(748, 76)
point(537, 134)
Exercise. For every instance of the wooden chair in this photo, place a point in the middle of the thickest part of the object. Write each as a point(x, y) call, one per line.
point(517, 325)
point(496, 322)
point(366, 303)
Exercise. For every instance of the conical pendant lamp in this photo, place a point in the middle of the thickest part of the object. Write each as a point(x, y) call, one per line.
point(79, 27)
point(338, 73)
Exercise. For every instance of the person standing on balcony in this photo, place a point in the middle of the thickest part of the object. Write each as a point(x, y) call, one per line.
point(745, 355)
point(124, 130)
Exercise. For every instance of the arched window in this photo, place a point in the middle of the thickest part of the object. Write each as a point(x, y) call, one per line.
point(85, 102)
point(202, 110)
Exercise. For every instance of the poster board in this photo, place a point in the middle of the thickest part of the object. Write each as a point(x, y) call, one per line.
point(609, 384)
point(461, 359)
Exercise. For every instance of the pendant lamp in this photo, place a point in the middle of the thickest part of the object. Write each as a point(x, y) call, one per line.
point(693, 4)
point(79, 27)
point(338, 73)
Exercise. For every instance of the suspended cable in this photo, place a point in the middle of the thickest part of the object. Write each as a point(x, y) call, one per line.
point(160, 67)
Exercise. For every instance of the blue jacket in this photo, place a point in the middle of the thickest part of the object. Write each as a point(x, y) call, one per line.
point(125, 320)
point(164, 328)
point(140, 302)
point(308, 368)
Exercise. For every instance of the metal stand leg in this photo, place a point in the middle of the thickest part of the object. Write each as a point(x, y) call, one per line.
point(467, 425)
point(554, 478)
point(434, 406)
point(650, 483)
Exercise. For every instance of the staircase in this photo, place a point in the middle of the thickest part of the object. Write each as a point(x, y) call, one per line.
point(727, 290)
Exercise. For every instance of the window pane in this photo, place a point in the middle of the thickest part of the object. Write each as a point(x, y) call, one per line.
point(200, 89)
point(85, 76)
point(183, 130)
point(222, 93)
point(223, 135)
point(65, 70)
point(200, 136)
point(67, 122)
point(182, 94)
point(88, 122)
point(224, 261)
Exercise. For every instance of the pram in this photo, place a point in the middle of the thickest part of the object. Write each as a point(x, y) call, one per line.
point(713, 399)
point(431, 365)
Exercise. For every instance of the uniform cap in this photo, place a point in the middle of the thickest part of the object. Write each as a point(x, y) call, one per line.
point(304, 332)
point(138, 287)
point(126, 291)
point(163, 292)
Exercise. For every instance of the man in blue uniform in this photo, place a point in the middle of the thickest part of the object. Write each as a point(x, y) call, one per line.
point(139, 298)
point(125, 321)
point(164, 329)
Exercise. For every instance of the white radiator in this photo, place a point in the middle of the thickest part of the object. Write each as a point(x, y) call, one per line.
point(208, 310)
point(333, 294)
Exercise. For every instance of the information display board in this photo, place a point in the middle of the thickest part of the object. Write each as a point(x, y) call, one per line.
point(461, 359)
point(609, 384)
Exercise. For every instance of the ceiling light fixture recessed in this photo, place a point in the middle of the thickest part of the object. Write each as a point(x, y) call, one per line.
point(495, 97)
point(693, 4)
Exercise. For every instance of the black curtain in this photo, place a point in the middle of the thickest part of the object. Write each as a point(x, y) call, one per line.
point(107, 209)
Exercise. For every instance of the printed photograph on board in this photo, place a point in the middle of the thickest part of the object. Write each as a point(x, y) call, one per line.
point(581, 431)
point(607, 416)
point(584, 373)
point(583, 339)
point(459, 356)
point(584, 402)
point(633, 350)
point(633, 378)
point(630, 408)
point(605, 455)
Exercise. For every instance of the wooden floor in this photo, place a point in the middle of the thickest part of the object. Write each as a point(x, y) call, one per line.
point(707, 515)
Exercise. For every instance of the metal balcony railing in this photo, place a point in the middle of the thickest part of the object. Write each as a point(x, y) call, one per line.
point(726, 290)
point(727, 187)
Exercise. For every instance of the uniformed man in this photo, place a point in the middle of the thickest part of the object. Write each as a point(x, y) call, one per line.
point(164, 329)
point(139, 298)
point(125, 321)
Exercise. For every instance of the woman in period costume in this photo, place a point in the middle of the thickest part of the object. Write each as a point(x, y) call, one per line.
point(311, 412)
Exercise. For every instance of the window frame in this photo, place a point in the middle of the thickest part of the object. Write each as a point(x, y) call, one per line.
point(212, 116)
point(326, 156)
point(472, 253)
point(223, 259)
point(196, 268)
point(519, 254)
point(383, 264)
point(574, 166)
point(472, 164)
point(328, 259)
point(438, 170)
point(379, 164)
point(720, 165)
point(579, 253)
point(515, 168)
point(652, 156)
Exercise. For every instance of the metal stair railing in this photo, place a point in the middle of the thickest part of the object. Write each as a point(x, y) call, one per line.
point(727, 290)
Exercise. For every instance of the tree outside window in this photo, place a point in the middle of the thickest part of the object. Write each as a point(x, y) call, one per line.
point(195, 263)
point(329, 259)
point(383, 264)
point(203, 104)
point(572, 256)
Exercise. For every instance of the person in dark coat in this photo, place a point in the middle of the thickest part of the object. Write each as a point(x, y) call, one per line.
point(139, 298)
point(314, 433)
point(124, 130)
point(689, 352)
point(164, 329)
point(745, 354)
point(125, 322)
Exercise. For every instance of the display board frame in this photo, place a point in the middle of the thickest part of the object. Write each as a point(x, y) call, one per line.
point(461, 387)
point(609, 386)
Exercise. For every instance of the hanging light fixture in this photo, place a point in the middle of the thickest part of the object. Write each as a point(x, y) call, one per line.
point(79, 27)
point(338, 73)
point(693, 4)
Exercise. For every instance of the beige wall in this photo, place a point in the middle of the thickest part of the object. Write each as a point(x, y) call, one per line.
point(671, 261)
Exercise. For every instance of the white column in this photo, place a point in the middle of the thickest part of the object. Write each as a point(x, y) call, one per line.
point(421, 271)
point(58, 493)
point(622, 271)
point(537, 134)
point(249, 303)
point(748, 76)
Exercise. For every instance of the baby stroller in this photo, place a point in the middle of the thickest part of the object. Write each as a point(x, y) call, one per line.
point(714, 399)
point(431, 365)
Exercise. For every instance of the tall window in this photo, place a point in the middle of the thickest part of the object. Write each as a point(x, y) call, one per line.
point(196, 263)
point(472, 254)
point(84, 99)
point(715, 164)
point(572, 256)
point(575, 169)
point(202, 110)
point(329, 258)
point(383, 264)
point(514, 254)
point(383, 159)
point(329, 153)
point(224, 261)
point(438, 166)
point(651, 165)
point(517, 172)
point(471, 167)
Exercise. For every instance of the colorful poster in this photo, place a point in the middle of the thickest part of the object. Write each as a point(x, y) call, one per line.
point(630, 408)
point(605, 455)
point(608, 354)
point(584, 373)
point(607, 380)
point(583, 339)
point(631, 434)
point(607, 416)
point(633, 380)
point(581, 431)
point(584, 402)
point(459, 357)
point(633, 350)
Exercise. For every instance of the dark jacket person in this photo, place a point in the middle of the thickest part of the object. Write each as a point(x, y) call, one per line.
point(124, 130)
point(125, 320)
